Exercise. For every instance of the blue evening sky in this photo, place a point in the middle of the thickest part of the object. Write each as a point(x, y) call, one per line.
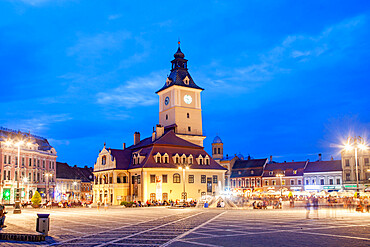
point(281, 78)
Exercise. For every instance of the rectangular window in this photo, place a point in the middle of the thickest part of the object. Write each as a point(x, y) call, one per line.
point(191, 179)
point(291, 182)
point(29, 162)
point(331, 181)
point(164, 178)
point(215, 179)
point(347, 162)
point(4, 159)
point(152, 178)
point(110, 180)
point(266, 183)
point(273, 182)
point(366, 161)
point(22, 161)
point(307, 182)
point(203, 179)
point(338, 180)
point(348, 176)
point(118, 180)
point(9, 159)
point(138, 179)
point(43, 163)
point(299, 182)
point(283, 182)
point(322, 182)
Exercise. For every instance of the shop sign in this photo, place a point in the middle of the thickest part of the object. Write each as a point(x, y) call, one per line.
point(332, 187)
point(350, 186)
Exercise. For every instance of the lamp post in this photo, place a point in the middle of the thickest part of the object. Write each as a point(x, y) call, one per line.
point(281, 183)
point(183, 179)
point(48, 175)
point(356, 142)
point(17, 207)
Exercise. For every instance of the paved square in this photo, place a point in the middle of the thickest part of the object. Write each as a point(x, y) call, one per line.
point(161, 226)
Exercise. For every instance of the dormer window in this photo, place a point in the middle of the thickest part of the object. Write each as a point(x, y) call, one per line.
point(252, 172)
point(271, 173)
point(186, 80)
point(239, 172)
point(177, 160)
point(168, 81)
point(165, 158)
point(190, 159)
point(294, 171)
point(158, 159)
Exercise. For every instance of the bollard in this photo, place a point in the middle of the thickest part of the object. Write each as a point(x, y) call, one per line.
point(42, 223)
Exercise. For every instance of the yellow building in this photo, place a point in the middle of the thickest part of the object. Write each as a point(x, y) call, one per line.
point(172, 163)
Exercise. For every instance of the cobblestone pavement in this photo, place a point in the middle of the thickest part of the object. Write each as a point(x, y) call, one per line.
point(193, 227)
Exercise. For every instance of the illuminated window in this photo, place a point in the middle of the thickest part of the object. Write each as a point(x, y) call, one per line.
point(191, 179)
point(283, 182)
point(176, 178)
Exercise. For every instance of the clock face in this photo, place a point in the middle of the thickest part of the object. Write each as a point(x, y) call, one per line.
point(166, 100)
point(188, 99)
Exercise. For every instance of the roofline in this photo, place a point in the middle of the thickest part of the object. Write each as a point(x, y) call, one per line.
point(190, 88)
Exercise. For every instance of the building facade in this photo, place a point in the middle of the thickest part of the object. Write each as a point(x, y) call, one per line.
point(323, 175)
point(349, 169)
point(171, 164)
point(73, 183)
point(35, 170)
point(246, 175)
point(287, 176)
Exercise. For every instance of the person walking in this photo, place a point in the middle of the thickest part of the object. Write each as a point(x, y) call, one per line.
point(308, 208)
point(315, 203)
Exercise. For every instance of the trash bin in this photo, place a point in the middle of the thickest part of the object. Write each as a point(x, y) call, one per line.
point(42, 223)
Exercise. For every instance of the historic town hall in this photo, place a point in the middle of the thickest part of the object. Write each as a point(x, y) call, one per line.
point(172, 163)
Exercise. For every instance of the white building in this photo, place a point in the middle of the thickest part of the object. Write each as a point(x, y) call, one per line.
point(323, 175)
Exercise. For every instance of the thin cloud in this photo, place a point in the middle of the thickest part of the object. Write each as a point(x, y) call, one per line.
point(136, 92)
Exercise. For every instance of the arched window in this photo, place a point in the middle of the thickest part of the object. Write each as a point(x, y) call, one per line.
point(176, 178)
point(104, 160)
point(252, 172)
point(165, 159)
point(188, 115)
point(166, 117)
point(207, 161)
point(200, 161)
point(158, 159)
point(219, 150)
point(177, 160)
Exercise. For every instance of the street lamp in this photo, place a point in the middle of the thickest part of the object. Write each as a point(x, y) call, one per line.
point(281, 183)
point(48, 175)
point(356, 143)
point(18, 144)
point(183, 179)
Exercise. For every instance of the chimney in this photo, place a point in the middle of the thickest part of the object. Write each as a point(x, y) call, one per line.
point(249, 157)
point(270, 158)
point(136, 138)
point(153, 136)
point(124, 146)
point(159, 131)
point(227, 156)
point(332, 158)
point(320, 157)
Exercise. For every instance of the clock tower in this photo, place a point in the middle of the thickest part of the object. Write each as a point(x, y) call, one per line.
point(180, 103)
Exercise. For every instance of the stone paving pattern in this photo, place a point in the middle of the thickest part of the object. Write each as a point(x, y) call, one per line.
point(161, 226)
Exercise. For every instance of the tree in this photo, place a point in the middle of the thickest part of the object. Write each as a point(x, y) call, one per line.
point(36, 198)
